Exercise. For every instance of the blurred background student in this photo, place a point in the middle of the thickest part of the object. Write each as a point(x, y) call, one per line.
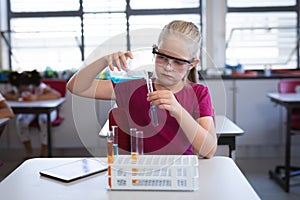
point(27, 86)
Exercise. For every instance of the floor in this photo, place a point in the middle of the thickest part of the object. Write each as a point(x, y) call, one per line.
point(255, 170)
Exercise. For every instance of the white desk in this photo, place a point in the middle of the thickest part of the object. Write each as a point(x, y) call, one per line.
point(227, 130)
point(285, 97)
point(225, 126)
point(219, 178)
point(289, 101)
point(3, 122)
point(38, 107)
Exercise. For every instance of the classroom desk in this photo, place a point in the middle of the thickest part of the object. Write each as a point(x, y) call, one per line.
point(3, 122)
point(227, 131)
point(289, 101)
point(38, 107)
point(219, 178)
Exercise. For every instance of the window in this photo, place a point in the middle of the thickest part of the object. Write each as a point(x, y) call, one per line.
point(59, 34)
point(155, 22)
point(43, 6)
point(159, 4)
point(260, 3)
point(258, 37)
point(41, 42)
point(100, 27)
point(104, 6)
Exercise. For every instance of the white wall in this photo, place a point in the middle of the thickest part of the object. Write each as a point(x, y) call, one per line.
point(1, 19)
point(3, 27)
point(214, 33)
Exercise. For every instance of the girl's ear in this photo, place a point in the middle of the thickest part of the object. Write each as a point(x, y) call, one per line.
point(194, 63)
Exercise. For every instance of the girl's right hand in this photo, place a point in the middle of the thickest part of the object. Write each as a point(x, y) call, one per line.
point(118, 60)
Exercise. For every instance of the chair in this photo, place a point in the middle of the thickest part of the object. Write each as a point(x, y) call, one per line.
point(60, 86)
point(291, 86)
point(118, 117)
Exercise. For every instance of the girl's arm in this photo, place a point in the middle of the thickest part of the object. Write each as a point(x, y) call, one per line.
point(5, 110)
point(12, 96)
point(83, 83)
point(47, 94)
point(201, 132)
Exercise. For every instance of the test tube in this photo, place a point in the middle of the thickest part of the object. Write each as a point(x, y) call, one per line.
point(110, 155)
point(110, 149)
point(137, 145)
point(115, 141)
point(153, 112)
point(134, 153)
point(139, 142)
point(137, 148)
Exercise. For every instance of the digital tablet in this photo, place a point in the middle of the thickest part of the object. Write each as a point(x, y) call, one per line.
point(75, 170)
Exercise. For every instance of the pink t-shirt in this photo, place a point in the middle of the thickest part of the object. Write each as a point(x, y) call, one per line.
point(168, 137)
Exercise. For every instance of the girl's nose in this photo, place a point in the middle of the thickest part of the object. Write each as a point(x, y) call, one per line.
point(168, 66)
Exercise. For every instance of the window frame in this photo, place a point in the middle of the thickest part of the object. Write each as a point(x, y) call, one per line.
point(295, 8)
point(80, 13)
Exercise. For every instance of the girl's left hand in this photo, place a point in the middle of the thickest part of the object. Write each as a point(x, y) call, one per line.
point(165, 99)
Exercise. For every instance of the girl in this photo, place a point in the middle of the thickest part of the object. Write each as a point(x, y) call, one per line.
point(184, 108)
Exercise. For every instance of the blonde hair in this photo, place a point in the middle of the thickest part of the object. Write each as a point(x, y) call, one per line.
point(189, 32)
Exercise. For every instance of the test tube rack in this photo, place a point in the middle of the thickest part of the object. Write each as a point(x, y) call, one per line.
point(155, 172)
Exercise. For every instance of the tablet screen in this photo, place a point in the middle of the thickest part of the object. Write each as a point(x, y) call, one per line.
point(75, 170)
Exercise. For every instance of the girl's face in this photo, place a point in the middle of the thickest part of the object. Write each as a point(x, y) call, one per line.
point(172, 62)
